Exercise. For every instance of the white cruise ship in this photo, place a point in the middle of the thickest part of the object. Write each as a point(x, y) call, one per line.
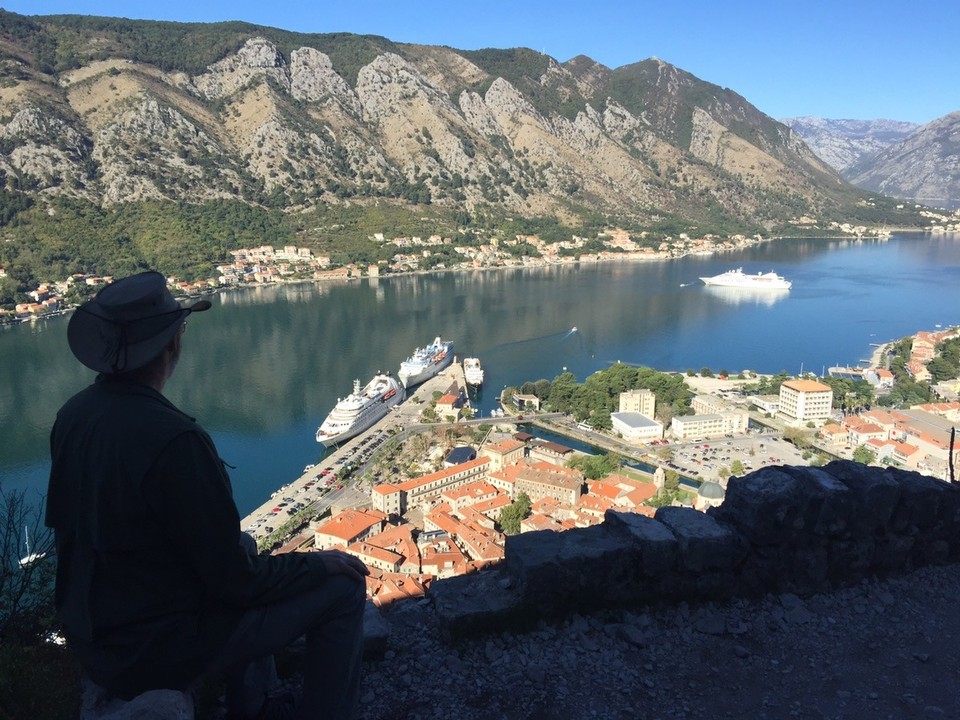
point(738, 278)
point(426, 362)
point(472, 372)
point(360, 409)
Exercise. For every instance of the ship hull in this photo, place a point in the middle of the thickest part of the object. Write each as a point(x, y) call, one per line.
point(360, 410)
point(426, 363)
point(739, 279)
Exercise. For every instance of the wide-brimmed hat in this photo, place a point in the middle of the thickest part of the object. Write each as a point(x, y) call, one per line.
point(127, 324)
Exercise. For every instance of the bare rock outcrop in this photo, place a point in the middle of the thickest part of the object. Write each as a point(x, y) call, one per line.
point(258, 58)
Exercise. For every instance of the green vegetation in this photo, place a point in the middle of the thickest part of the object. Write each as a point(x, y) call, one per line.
point(512, 515)
point(946, 364)
point(175, 238)
point(767, 385)
point(599, 395)
point(863, 454)
point(906, 391)
point(595, 467)
point(849, 394)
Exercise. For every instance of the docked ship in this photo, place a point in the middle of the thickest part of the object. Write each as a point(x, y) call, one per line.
point(472, 372)
point(426, 362)
point(360, 409)
point(738, 278)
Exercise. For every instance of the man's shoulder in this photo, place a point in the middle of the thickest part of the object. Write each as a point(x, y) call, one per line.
point(126, 405)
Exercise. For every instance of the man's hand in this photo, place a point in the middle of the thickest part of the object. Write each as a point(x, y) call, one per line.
point(337, 562)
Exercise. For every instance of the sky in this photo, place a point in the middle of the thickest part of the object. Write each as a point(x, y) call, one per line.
point(839, 59)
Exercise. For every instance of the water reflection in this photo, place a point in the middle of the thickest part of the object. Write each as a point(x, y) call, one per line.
point(751, 296)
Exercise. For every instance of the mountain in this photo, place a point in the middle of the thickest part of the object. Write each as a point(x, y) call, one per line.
point(121, 115)
point(844, 143)
point(923, 167)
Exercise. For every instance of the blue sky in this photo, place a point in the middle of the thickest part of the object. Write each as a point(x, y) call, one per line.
point(860, 59)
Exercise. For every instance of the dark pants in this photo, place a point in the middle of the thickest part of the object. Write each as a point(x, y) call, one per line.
point(331, 619)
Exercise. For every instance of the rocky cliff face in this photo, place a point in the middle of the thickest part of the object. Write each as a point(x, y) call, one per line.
point(277, 119)
point(924, 166)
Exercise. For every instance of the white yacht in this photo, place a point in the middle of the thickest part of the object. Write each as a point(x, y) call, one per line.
point(360, 409)
point(426, 362)
point(472, 372)
point(738, 278)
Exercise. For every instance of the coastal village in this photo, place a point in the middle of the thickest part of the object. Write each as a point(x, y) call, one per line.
point(267, 265)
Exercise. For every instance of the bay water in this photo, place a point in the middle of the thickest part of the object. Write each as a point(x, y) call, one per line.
point(262, 369)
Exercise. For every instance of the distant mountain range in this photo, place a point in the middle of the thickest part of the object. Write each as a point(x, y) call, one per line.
point(115, 112)
point(900, 159)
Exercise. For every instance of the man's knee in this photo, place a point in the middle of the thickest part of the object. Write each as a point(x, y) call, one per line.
point(352, 591)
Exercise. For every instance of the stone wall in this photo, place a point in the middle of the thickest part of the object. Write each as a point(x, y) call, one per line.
point(780, 529)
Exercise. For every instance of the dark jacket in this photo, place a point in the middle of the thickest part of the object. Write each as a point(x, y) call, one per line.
point(151, 576)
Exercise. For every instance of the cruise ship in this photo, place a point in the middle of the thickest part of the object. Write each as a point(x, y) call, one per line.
point(426, 362)
point(472, 372)
point(360, 409)
point(738, 278)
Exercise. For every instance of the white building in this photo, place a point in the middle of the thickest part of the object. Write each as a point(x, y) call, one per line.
point(805, 400)
point(636, 426)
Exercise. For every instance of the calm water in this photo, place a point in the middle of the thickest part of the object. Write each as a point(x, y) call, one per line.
point(262, 369)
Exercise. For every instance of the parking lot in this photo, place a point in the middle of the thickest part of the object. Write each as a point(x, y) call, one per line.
point(703, 459)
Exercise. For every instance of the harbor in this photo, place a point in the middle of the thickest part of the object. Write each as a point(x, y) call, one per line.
point(333, 483)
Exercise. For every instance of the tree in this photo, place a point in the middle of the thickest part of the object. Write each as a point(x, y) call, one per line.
point(671, 480)
point(513, 514)
point(26, 591)
point(798, 436)
point(864, 455)
point(595, 467)
point(706, 372)
point(736, 468)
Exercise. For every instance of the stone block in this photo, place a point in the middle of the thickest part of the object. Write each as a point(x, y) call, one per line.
point(481, 602)
point(851, 560)
point(654, 542)
point(827, 504)
point(703, 543)
point(918, 510)
point(595, 567)
point(375, 632)
point(874, 494)
point(533, 557)
point(893, 554)
point(98, 704)
point(764, 506)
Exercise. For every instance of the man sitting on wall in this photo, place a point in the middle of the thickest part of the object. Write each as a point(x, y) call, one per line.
point(157, 586)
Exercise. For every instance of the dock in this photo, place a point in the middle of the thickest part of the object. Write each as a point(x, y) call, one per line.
point(311, 488)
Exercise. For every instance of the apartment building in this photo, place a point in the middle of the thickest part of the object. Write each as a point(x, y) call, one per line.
point(805, 401)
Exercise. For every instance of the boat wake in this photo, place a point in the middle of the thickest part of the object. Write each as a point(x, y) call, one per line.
point(552, 336)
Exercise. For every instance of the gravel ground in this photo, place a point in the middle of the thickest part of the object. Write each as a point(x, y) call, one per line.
point(882, 649)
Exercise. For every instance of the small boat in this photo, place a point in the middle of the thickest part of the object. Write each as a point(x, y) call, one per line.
point(472, 372)
point(31, 557)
